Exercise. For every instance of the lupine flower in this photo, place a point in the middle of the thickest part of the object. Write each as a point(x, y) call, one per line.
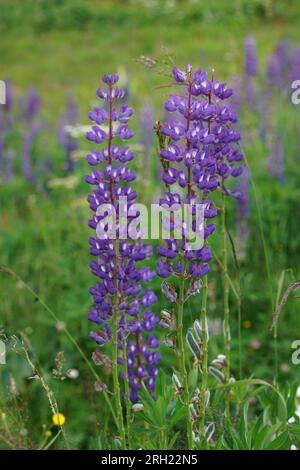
point(200, 152)
point(118, 271)
point(295, 66)
point(28, 141)
point(65, 139)
point(146, 133)
point(276, 159)
point(250, 71)
point(251, 63)
point(30, 105)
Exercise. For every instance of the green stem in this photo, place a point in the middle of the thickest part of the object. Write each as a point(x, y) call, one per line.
point(127, 394)
point(227, 338)
point(181, 354)
point(204, 358)
point(115, 325)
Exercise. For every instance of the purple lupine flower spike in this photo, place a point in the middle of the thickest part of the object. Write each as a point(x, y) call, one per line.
point(146, 140)
point(251, 63)
point(30, 104)
point(295, 66)
point(242, 212)
point(65, 139)
point(250, 70)
point(28, 142)
point(8, 95)
point(118, 270)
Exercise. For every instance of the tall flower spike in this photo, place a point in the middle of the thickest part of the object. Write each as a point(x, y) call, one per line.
point(122, 307)
point(199, 153)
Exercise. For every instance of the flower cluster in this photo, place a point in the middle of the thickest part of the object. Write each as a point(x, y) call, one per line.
point(198, 155)
point(120, 280)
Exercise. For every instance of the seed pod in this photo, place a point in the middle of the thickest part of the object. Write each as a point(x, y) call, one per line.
point(193, 412)
point(176, 383)
point(209, 431)
point(193, 345)
point(217, 374)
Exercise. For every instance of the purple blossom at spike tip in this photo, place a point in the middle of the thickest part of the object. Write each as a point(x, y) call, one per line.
point(251, 62)
point(241, 192)
point(201, 150)
point(110, 179)
point(64, 138)
point(276, 159)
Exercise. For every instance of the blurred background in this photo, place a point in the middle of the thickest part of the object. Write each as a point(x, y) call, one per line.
point(53, 55)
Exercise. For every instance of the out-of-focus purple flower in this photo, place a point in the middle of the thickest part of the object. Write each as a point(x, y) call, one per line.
point(274, 73)
point(116, 269)
point(64, 137)
point(201, 152)
point(28, 141)
point(251, 62)
point(276, 159)
point(30, 104)
point(295, 66)
point(241, 192)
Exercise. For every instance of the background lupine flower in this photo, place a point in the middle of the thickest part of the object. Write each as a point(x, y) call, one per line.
point(28, 141)
point(30, 105)
point(242, 213)
point(295, 66)
point(146, 140)
point(117, 270)
point(199, 154)
point(274, 72)
point(276, 159)
point(65, 139)
point(8, 95)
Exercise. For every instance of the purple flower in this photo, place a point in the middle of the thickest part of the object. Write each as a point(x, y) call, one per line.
point(116, 269)
point(30, 104)
point(276, 159)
